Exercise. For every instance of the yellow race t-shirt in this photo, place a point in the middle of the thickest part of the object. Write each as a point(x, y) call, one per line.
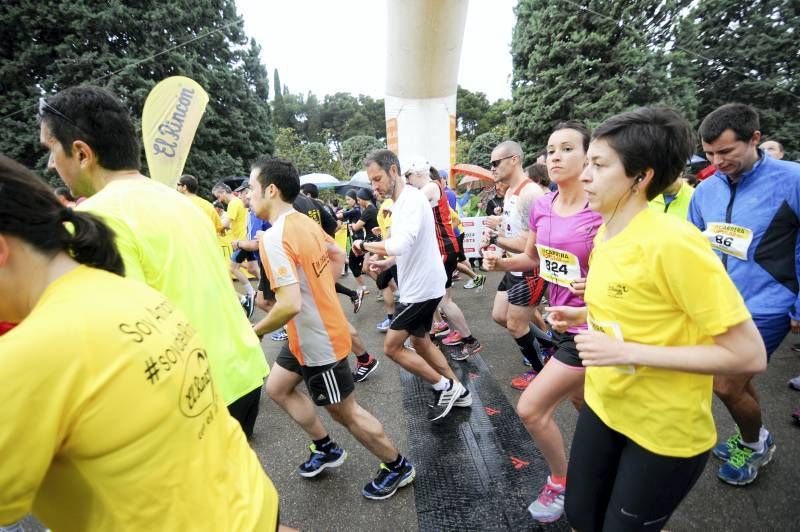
point(111, 420)
point(385, 217)
point(658, 283)
point(209, 210)
point(237, 212)
point(168, 243)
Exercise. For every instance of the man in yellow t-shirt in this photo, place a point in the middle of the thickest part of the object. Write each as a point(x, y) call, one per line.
point(163, 238)
point(188, 186)
point(675, 199)
point(237, 214)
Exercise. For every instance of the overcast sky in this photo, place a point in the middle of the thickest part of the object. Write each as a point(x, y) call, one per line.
point(328, 46)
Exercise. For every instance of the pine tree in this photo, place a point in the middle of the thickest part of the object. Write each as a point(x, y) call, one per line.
point(46, 46)
point(750, 55)
point(588, 64)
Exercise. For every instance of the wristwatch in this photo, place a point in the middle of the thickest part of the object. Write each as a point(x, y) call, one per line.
point(493, 238)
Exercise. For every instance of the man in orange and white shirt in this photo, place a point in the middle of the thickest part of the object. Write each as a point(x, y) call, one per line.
point(300, 260)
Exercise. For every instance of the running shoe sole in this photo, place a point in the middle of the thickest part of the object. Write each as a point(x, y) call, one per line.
point(403, 483)
point(324, 466)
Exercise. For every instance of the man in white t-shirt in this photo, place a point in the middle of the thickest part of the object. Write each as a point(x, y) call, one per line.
point(412, 246)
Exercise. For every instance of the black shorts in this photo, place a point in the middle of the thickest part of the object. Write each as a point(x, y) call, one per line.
point(241, 255)
point(450, 263)
point(460, 254)
point(356, 264)
point(615, 484)
point(523, 290)
point(415, 318)
point(385, 277)
point(566, 351)
point(263, 284)
point(327, 385)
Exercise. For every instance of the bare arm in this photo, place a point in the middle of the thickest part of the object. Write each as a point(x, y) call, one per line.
point(287, 306)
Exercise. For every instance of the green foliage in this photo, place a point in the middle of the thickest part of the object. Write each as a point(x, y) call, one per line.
point(46, 46)
point(476, 115)
point(462, 149)
point(751, 47)
point(355, 150)
point(308, 157)
point(570, 63)
point(480, 150)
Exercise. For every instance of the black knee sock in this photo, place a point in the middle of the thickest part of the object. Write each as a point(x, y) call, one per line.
point(529, 351)
point(341, 289)
point(323, 444)
point(364, 359)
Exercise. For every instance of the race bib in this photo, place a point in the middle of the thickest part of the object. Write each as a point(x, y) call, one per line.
point(557, 266)
point(612, 329)
point(731, 239)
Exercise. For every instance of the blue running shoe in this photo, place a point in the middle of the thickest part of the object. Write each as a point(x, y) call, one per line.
point(724, 449)
point(384, 325)
point(742, 467)
point(319, 460)
point(389, 481)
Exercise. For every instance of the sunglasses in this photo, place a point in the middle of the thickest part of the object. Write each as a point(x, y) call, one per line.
point(497, 162)
point(45, 107)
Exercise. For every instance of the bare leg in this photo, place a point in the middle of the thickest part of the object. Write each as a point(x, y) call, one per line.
point(454, 314)
point(741, 399)
point(464, 268)
point(500, 308)
point(425, 363)
point(364, 427)
point(282, 388)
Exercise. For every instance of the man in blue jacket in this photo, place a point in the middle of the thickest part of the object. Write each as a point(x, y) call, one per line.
point(750, 212)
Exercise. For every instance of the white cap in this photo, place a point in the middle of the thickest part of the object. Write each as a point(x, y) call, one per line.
point(416, 165)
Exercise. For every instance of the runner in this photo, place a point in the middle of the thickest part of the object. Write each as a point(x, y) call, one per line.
point(629, 469)
point(301, 262)
point(165, 240)
point(120, 426)
point(749, 210)
point(675, 199)
point(188, 186)
point(237, 214)
point(562, 229)
point(421, 280)
point(418, 174)
point(386, 281)
point(519, 292)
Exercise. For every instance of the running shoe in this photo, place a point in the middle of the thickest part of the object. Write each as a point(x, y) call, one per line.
point(408, 345)
point(469, 284)
point(248, 304)
point(467, 350)
point(357, 300)
point(794, 384)
point(464, 400)
point(742, 467)
point(454, 338)
point(363, 370)
point(796, 415)
point(319, 460)
point(796, 348)
point(724, 449)
point(479, 281)
point(440, 328)
point(363, 290)
point(279, 336)
point(456, 276)
point(445, 400)
point(389, 481)
point(526, 361)
point(384, 325)
point(549, 505)
point(522, 382)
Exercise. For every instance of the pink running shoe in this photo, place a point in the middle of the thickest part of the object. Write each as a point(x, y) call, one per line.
point(454, 338)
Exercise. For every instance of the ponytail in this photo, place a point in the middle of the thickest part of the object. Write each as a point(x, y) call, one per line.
point(30, 211)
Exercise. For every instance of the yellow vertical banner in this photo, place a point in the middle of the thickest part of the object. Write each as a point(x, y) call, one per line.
point(171, 114)
point(391, 136)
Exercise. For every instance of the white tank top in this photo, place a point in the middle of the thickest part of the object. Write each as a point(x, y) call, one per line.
point(512, 221)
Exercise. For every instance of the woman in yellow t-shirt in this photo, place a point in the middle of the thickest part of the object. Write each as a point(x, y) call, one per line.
point(111, 419)
point(663, 318)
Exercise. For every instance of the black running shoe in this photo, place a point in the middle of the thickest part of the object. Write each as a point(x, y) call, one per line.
point(319, 460)
point(363, 370)
point(248, 305)
point(389, 481)
point(445, 401)
point(357, 300)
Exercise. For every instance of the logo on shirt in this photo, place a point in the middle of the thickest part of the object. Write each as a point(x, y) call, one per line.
point(617, 290)
point(320, 263)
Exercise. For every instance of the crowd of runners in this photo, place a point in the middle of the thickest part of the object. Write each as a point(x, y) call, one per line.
point(129, 362)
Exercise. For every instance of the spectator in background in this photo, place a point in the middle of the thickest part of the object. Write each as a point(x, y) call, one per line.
point(494, 207)
point(188, 186)
point(773, 148)
point(538, 174)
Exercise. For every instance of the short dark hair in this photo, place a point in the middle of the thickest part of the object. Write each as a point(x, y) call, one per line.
point(383, 158)
point(538, 174)
point(578, 126)
point(99, 119)
point(656, 138)
point(741, 118)
point(222, 187)
point(31, 212)
point(190, 182)
point(279, 172)
point(310, 189)
point(63, 192)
